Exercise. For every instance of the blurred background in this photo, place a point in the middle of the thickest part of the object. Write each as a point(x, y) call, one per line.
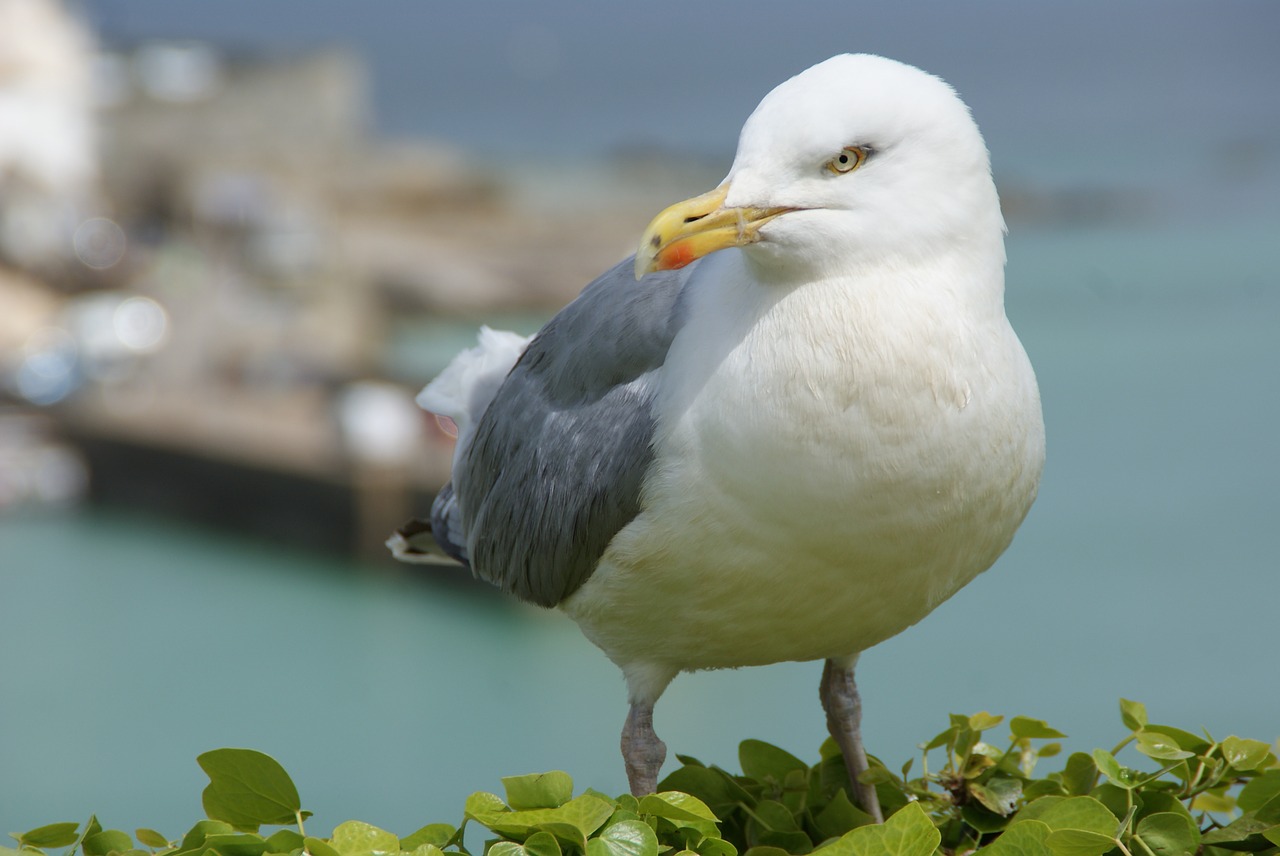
point(236, 238)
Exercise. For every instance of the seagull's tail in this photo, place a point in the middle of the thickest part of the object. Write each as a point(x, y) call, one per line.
point(462, 392)
point(414, 542)
point(464, 389)
point(427, 542)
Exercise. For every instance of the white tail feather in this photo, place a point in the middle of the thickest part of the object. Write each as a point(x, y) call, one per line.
point(464, 389)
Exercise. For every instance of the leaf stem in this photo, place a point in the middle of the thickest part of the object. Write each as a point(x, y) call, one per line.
point(1144, 846)
point(1156, 775)
point(1195, 780)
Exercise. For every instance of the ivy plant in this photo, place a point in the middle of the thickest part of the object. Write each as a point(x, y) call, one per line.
point(977, 790)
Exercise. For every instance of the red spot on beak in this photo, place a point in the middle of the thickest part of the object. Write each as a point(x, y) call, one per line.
point(676, 256)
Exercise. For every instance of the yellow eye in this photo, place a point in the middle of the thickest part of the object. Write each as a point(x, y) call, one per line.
point(849, 159)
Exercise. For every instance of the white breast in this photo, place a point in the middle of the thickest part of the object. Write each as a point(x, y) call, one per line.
point(832, 463)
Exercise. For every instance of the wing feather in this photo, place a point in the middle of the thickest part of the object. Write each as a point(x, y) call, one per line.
point(556, 463)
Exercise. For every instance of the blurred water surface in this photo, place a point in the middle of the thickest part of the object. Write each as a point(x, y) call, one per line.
point(128, 645)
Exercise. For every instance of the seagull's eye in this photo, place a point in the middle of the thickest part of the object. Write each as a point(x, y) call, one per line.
point(849, 159)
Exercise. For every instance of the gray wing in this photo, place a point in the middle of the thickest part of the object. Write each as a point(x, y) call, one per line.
point(556, 464)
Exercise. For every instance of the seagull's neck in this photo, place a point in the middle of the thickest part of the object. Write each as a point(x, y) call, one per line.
point(970, 271)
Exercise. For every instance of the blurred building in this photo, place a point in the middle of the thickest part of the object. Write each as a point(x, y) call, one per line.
point(47, 158)
point(48, 170)
point(224, 291)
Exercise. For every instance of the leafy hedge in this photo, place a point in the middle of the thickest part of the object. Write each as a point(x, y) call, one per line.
point(1204, 796)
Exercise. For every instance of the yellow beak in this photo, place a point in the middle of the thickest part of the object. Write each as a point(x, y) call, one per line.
point(696, 227)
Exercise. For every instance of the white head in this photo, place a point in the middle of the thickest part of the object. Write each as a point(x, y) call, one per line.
point(854, 160)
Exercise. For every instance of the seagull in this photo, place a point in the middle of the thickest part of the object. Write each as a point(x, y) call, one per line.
point(790, 427)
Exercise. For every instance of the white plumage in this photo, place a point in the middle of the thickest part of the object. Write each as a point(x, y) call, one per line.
point(841, 427)
point(462, 391)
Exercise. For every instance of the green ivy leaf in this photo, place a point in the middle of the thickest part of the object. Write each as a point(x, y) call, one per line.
point(430, 850)
point(788, 842)
point(235, 844)
point(107, 841)
point(356, 838)
point(1040, 788)
point(1269, 811)
point(774, 816)
point(942, 739)
point(482, 802)
point(772, 824)
point(507, 848)
point(319, 847)
point(196, 836)
point(285, 841)
point(538, 790)
point(716, 788)
point(51, 835)
point(1260, 790)
point(542, 844)
point(1037, 809)
point(1080, 813)
point(248, 789)
point(1245, 754)
point(1078, 842)
point(628, 838)
point(571, 822)
point(1160, 746)
point(762, 761)
point(1080, 774)
point(715, 847)
point(538, 844)
point(1024, 838)
point(150, 837)
point(1023, 727)
point(1156, 802)
point(983, 820)
point(675, 805)
point(966, 737)
point(1243, 833)
point(1169, 834)
point(909, 832)
point(91, 827)
point(839, 816)
point(621, 814)
point(1184, 739)
point(1217, 803)
point(438, 834)
point(982, 721)
point(1133, 714)
point(1000, 794)
point(1119, 776)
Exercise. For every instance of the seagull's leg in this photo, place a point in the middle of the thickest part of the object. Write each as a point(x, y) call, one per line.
point(844, 720)
point(642, 751)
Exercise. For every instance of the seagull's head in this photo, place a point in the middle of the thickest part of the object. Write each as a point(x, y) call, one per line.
point(857, 159)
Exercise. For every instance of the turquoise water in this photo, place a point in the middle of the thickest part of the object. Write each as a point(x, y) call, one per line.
point(1148, 569)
